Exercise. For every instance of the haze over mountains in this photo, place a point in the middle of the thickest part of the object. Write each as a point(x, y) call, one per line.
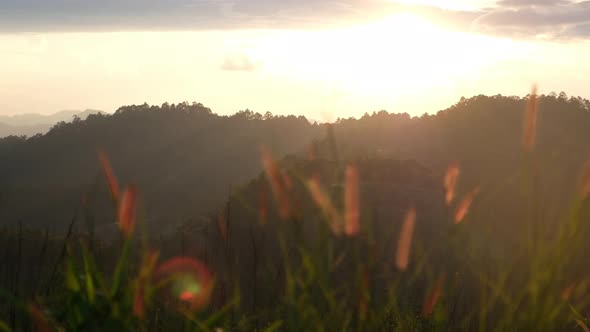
point(410, 165)
point(185, 158)
point(30, 124)
point(248, 192)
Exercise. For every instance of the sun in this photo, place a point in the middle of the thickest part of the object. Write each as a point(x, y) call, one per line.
point(466, 5)
point(400, 52)
point(394, 60)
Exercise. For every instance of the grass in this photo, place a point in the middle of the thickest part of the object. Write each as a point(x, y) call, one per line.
point(332, 270)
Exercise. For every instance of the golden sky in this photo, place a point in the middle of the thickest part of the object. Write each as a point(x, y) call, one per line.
point(338, 59)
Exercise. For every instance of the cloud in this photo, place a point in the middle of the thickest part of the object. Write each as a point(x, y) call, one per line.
point(117, 15)
point(526, 3)
point(239, 63)
point(514, 18)
point(527, 18)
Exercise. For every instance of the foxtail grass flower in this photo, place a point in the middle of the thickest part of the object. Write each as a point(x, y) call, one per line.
point(288, 183)
point(276, 182)
point(147, 266)
point(583, 325)
point(404, 243)
point(464, 205)
point(262, 205)
point(351, 201)
point(110, 175)
point(364, 295)
point(432, 298)
point(310, 152)
point(39, 318)
point(567, 293)
point(322, 200)
point(450, 182)
point(128, 210)
point(222, 226)
point(584, 186)
point(530, 121)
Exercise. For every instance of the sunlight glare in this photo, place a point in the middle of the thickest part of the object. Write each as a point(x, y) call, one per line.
point(393, 57)
point(447, 4)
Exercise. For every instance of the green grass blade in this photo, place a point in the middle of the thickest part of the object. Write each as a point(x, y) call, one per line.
point(4, 327)
point(119, 269)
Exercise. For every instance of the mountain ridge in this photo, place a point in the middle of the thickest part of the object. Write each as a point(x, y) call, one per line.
point(30, 124)
point(185, 158)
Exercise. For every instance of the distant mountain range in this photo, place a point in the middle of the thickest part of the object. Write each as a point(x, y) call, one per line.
point(185, 158)
point(33, 123)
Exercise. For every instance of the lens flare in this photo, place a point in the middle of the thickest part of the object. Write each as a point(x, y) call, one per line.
point(188, 280)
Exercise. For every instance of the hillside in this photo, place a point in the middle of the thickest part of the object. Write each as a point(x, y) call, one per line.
point(183, 158)
point(484, 136)
point(308, 225)
point(33, 123)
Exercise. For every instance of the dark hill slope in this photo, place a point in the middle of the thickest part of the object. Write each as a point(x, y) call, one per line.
point(182, 157)
point(250, 227)
point(484, 135)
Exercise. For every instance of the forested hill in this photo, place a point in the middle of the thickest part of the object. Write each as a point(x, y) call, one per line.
point(484, 135)
point(30, 124)
point(184, 158)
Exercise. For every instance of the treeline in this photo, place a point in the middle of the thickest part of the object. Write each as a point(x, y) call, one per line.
point(183, 157)
point(506, 250)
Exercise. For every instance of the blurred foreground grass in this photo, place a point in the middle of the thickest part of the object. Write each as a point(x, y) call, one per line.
point(345, 276)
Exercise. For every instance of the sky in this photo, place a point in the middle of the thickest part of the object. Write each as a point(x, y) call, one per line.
point(322, 59)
